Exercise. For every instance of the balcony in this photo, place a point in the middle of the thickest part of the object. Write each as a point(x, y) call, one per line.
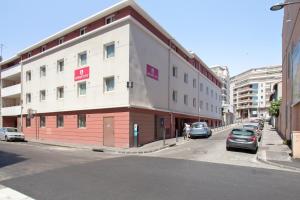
point(16, 69)
point(11, 111)
point(11, 91)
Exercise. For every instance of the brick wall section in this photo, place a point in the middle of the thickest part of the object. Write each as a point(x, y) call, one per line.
point(70, 133)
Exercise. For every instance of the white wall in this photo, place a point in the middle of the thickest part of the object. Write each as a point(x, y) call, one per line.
point(146, 49)
point(99, 68)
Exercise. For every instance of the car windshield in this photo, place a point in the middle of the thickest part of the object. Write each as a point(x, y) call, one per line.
point(198, 125)
point(242, 132)
point(12, 130)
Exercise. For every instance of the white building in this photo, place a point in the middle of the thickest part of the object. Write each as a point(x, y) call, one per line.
point(91, 82)
point(251, 90)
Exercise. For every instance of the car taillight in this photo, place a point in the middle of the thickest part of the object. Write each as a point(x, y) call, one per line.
point(253, 138)
point(230, 136)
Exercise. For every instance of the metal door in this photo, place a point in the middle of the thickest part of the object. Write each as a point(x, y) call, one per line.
point(108, 131)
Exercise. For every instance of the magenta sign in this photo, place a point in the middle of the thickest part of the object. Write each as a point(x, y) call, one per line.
point(152, 72)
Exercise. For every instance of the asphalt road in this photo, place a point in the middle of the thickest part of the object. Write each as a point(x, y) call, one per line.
point(199, 169)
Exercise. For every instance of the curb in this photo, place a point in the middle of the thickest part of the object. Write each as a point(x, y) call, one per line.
point(133, 152)
point(58, 145)
point(295, 169)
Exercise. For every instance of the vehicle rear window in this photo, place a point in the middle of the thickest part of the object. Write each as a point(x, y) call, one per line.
point(242, 132)
point(198, 125)
point(250, 126)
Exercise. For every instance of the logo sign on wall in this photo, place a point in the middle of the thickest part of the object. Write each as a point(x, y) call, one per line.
point(152, 72)
point(82, 73)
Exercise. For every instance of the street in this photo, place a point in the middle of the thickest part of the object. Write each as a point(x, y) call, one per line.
point(194, 170)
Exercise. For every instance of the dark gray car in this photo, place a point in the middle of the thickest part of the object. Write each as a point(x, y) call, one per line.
point(199, 129)
point(242, 138)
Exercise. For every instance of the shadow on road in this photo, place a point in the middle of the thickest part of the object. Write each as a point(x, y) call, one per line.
point(242, 150)
point(7, 158)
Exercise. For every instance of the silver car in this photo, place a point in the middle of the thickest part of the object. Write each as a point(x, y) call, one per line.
point(10, 134)
point(200, 129)
point(255, 128)
point(242, 138)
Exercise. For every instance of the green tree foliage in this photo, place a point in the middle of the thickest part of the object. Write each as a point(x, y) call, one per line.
point(274, 108)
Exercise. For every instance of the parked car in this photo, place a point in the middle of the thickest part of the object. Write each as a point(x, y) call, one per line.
point(10, 134)
point(200, 129)
point(255, 127)
point(242, 138)
point(260, 122)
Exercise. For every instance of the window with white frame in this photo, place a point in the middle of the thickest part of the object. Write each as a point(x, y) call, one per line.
point(109, 19)
point(81, 121)
point(60, 92)
point(207, 90)
point(82, 31)
point(206, 106)
point(201, 87)
point(174, 95)
point(81, 88)
point(211, 108)
point(201, 105)
point(109, 84)
point(61, 40)
point(216, 109)
point(59, 121)
point(185, 99)
point(175, 71)
point(43, 71)
point(28, 76)
point(109, 50)
point(216, 96)
point(28, 98)
point(194, 83)
point(212, 93)
point(42, 95)
point(186, 77)
point(42, 121)
point(194, 102)
point(60, 65)
point(82, 58)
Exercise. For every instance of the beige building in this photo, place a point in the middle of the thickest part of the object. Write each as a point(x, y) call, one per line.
point(97, 80)
point(251, 91)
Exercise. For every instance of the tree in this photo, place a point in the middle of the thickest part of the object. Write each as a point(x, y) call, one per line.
point(274, 108)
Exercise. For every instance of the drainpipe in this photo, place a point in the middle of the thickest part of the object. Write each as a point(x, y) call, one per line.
point(21, 98)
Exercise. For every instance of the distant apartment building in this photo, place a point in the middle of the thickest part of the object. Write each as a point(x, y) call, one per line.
point(227, 110)
point(251, 91)
point(289, 116)
point(98, 80)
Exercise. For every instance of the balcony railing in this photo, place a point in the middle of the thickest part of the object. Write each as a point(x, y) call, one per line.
point(11, 90)
point(11, 111)
point(10, 71)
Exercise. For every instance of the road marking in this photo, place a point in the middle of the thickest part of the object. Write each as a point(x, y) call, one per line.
point(10, 194)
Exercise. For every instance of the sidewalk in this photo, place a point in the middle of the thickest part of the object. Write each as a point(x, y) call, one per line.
point(273, 151)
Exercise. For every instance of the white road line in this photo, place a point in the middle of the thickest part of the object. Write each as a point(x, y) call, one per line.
point(10, 194)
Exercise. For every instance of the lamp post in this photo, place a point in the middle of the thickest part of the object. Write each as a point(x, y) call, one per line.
point(279, 6)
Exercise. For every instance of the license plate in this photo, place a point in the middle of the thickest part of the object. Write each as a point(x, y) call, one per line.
point(239, 140)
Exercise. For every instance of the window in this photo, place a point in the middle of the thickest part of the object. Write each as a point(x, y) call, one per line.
point(174, 96)
point(201, 87)
point(28, 121)
point(185, 99)
point(60, 65)
point(216, 96)
point(194, 102)
point(60, 92)
point(207, 90)
point(175, 71)
point(81, 121)
point(261, 97)
point(61, 40)
point(82, 31)
point(42, 121)
point(43, 48)
point(201, 105)
point(59, 121)
point(42, 95)
point(29, 55)
point(28, 76)
point(186, 78)
point(207, 106)
point(212, 93)
point(262, 90)
point(42, 71)
point(82, 59)
point(109, 84)
point(109, 19)
point(82, 89)
point(194, 83)
point(216, 109)
point(211, 108)
point(109, 50)
point(28, 98)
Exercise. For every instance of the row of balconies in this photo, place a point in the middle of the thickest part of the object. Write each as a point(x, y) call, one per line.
point(11, 91)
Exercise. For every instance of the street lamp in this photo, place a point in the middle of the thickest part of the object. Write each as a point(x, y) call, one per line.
point(279, 6)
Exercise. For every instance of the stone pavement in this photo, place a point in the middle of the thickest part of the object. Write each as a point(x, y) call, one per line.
point(273, 151)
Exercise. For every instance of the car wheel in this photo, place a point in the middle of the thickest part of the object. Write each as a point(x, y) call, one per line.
point(228, 148)
point(6, 139)
point(255, 150)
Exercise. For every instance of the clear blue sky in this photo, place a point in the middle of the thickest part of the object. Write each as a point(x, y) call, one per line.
point(239, 34)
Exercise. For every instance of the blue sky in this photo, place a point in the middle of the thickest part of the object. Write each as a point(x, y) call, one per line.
point(239, 34)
